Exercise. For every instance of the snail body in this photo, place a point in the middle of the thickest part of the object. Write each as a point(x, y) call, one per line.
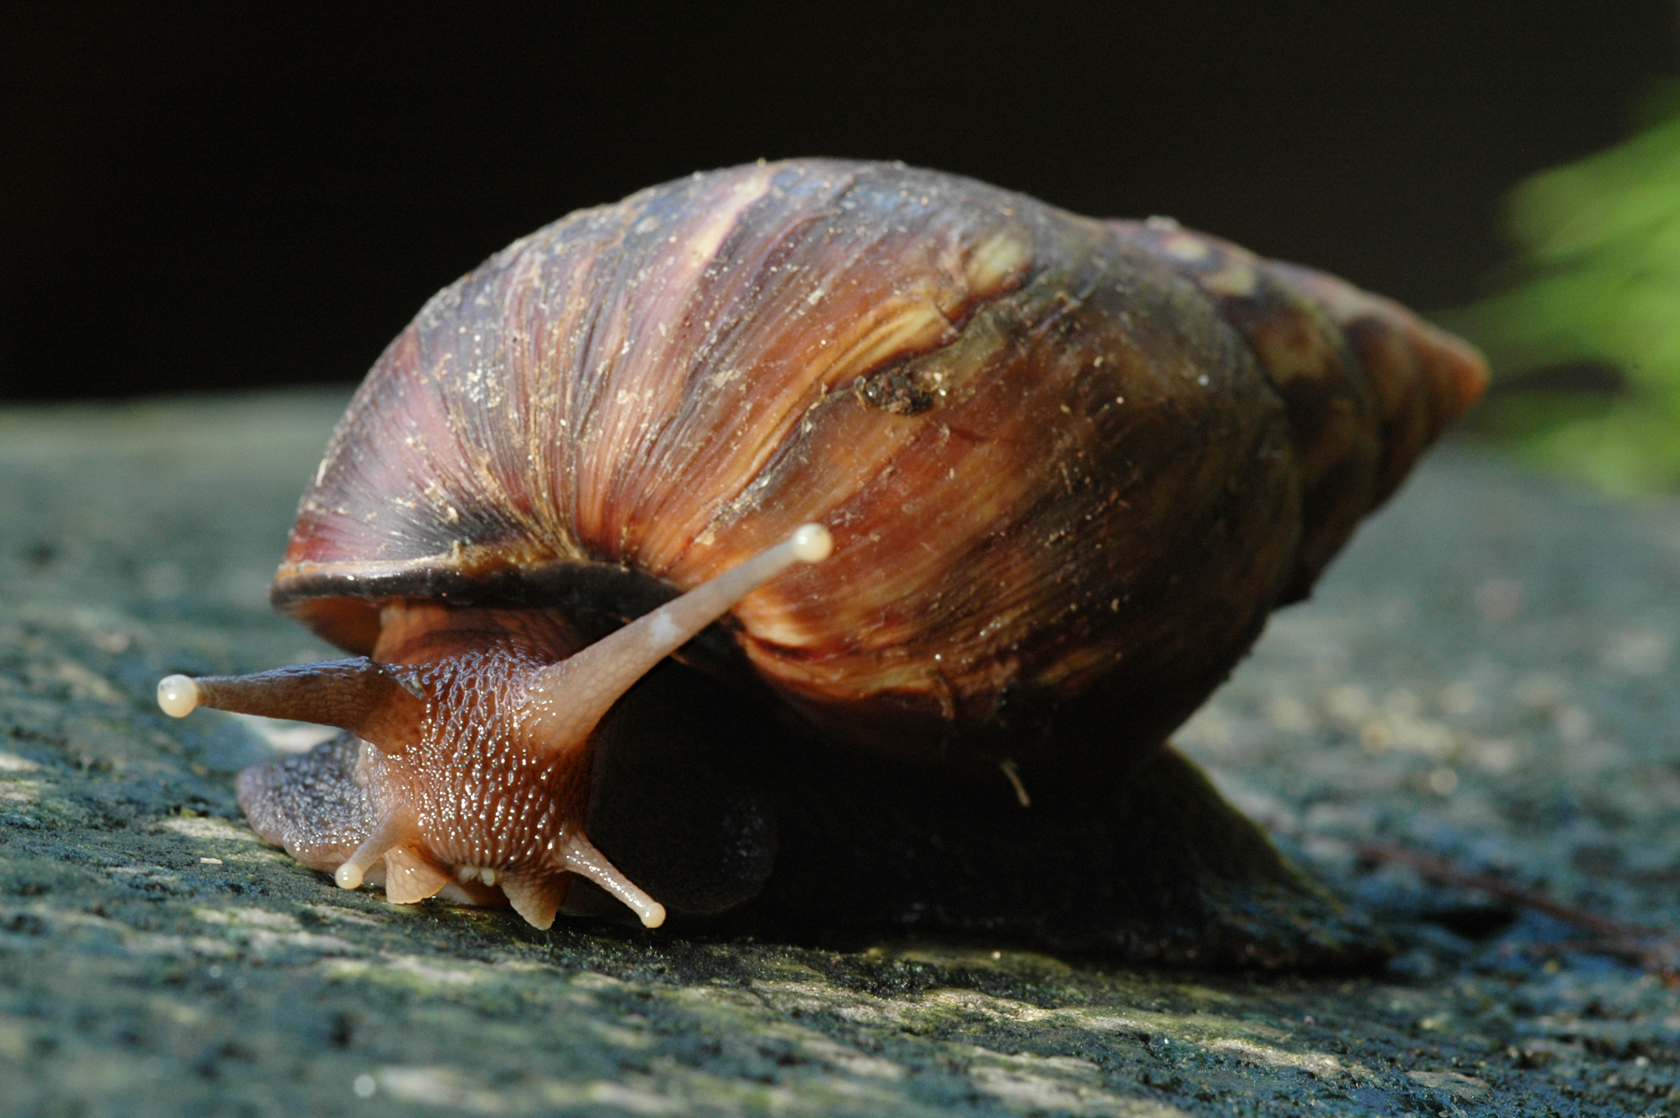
point(1067, 467)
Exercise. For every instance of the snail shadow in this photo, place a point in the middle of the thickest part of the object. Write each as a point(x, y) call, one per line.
point(749, 825)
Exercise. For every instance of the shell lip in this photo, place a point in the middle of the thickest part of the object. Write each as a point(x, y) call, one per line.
point(437, 577)
point(340, 601)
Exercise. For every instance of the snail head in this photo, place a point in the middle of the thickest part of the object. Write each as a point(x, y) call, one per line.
point(476, 728)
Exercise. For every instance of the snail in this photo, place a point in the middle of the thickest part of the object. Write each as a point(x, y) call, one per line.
point(833, 543)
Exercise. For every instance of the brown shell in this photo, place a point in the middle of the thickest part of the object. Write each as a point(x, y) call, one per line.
point(1069, 465)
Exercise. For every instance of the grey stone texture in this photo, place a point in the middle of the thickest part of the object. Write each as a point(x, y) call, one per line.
point(1488, 674)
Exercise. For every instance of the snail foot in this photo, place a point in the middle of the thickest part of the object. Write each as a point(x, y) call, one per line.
point(1222, 894)
point(311, 803)
point(1146, 862)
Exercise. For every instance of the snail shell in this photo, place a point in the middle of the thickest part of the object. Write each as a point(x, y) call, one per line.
point(1068, 465)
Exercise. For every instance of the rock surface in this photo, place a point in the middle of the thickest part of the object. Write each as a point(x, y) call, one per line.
point(1487, 675)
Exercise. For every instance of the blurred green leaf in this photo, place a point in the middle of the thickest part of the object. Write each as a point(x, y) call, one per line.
point(1599, 261)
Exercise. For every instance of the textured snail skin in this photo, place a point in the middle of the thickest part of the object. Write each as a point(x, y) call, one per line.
point(1069, 467)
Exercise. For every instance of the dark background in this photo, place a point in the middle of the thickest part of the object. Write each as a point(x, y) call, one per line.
point(196, 196)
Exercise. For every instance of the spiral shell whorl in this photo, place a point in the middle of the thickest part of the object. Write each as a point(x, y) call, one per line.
point(1368, 385)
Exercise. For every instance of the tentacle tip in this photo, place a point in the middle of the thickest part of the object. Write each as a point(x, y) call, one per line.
point(652, 915)
point(812, 543)
point(178, 695)
point(348, 876)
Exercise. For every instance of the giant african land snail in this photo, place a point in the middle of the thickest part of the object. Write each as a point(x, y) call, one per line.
point(1068, 467)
